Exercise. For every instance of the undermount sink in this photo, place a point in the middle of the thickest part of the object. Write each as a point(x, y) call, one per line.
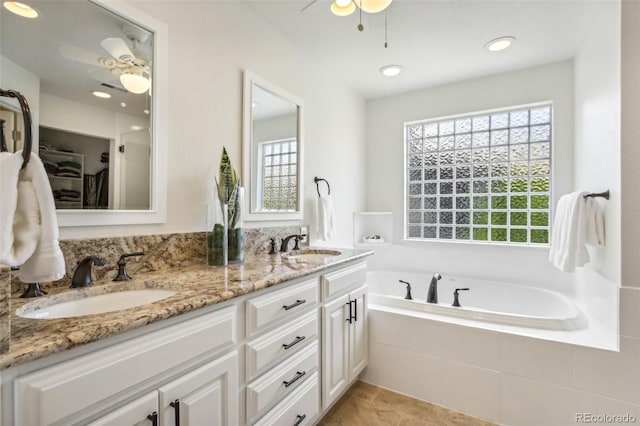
point(91, 304)
point(311, 255)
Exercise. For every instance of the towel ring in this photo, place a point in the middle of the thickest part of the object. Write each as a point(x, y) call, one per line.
point(317, 181)
point(26, 118)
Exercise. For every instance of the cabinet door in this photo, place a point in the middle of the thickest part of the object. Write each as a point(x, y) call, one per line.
point(358, 333)
point(335, 349)
point(133, 414)
point(206, 396)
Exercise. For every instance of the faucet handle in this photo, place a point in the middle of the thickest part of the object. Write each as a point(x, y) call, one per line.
point(122, 266)
point(408, 295)
point(456, 302)
point(272, 242)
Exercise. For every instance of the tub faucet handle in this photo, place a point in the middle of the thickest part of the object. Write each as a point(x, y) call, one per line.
point(408, 295)
point(456, 302)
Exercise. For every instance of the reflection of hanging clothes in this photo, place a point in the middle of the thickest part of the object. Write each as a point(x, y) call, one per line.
point(102, 186)
point(96, 190)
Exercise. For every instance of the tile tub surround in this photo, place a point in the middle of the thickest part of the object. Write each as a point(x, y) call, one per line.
point(5, 308)
point(199, 286)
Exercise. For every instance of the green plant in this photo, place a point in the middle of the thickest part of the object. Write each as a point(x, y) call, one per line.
point(229, 194)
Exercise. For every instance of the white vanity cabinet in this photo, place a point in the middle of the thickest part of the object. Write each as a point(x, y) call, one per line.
point(344, 330)
point(282, 355)
point(168, 363)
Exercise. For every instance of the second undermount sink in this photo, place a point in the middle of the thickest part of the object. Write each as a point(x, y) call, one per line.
point(91, 304)
point(311, 255)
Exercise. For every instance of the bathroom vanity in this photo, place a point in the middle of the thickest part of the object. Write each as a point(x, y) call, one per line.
point(275, 340)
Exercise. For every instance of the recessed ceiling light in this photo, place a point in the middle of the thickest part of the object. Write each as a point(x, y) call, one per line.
point(146, 111)
point(123, 105)
point(499, 44)
point(391, 70)
point(101, 95)
point(21, 9)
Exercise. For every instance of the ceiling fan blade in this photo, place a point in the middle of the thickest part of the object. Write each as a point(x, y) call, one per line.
point(118, 49)
point(104, 75)
point(77, 54)
point(305, 8)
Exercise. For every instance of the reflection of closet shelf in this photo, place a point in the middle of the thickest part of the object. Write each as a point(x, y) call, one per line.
point(66, 182)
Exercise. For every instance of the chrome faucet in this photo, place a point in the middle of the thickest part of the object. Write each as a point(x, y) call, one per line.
point(285, 242)
point(82, 274)
point(432, 294)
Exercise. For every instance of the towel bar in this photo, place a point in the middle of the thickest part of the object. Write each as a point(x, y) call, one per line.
point(604, 195)
point(317, 181)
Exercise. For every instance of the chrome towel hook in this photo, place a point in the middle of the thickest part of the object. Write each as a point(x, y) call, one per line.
point(317, 180)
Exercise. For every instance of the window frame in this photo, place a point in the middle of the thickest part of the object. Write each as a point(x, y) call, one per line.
point(550, 210)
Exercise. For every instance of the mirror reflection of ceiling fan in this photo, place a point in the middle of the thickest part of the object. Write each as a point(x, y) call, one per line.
point(134, 72)
point(121, 69)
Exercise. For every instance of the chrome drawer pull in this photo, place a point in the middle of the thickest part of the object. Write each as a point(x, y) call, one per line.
point(299, 419)
point(295, 342)
point(298, 376)
point(293, 305)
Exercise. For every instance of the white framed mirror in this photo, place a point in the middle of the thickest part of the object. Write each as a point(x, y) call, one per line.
point(106, 156)
point(272, 151)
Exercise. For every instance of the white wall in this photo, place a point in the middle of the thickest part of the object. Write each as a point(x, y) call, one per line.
point(209, 47)
point(385, 170)
point(597, 128)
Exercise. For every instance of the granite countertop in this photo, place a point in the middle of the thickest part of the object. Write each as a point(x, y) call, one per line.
point(198, 286)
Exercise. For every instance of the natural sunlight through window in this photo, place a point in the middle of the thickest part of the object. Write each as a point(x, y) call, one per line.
point(279, 163)
point(483, 177)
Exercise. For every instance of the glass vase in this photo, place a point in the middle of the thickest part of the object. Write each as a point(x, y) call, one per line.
point(225, 240)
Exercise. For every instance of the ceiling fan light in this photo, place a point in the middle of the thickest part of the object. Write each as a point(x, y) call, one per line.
point(373, 6)
point(21, 9)
point(339, 10)
point(135, 83)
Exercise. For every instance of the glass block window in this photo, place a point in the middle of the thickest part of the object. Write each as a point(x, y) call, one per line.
point(483, 177)
point(279, 160)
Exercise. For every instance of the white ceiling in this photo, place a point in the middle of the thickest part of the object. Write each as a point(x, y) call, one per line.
point(437, 41)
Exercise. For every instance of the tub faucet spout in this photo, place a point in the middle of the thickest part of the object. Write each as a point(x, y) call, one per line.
point(432, 294)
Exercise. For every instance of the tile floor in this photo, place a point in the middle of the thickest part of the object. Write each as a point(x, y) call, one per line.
point(368, 405)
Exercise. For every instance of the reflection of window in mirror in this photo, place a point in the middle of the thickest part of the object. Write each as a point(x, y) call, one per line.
point(279, 163)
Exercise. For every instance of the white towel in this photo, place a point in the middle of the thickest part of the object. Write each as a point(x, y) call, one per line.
point(577, 222)
point(324, 218)
point(595, 224)
point(28, 224)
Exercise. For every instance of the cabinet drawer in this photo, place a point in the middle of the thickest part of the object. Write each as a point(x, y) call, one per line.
point(299, 408)
point(280, 343)
point(281, 381)
point(340, 282)
point(49, 395)
point(264, 311)
point(133, 413)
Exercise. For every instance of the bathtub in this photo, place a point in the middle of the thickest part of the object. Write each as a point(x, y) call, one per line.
point(491, 302)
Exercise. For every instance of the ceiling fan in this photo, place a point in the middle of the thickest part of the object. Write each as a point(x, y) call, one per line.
point(133, 71)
